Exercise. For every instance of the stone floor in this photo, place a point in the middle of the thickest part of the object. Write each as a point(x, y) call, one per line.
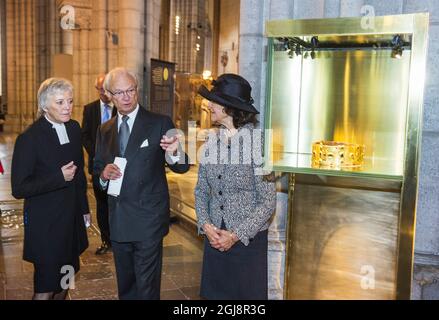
point(181, 258)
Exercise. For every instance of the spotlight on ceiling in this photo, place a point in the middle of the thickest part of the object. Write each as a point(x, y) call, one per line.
point(314, 42)
point(314, 45)
point(397, 53)
point(397, 47)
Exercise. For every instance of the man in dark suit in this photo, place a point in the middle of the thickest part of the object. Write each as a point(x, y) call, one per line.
point(139, 215)
point(95, 114)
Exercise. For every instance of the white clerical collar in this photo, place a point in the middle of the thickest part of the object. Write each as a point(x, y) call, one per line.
point(60, 131)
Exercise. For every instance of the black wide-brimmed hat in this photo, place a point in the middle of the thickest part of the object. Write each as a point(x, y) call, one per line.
point(230, 90)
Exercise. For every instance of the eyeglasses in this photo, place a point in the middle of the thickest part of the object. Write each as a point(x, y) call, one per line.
point(119, 94)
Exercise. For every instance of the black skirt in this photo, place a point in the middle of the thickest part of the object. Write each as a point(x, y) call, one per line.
point(237, 274)
point(48, 278)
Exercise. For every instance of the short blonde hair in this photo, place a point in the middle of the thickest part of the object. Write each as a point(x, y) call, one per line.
point(48, 88)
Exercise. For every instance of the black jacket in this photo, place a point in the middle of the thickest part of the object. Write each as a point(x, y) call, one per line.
point(54, 230)
point(141, 211)
point(91, 120)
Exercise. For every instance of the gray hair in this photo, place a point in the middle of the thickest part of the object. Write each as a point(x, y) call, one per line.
point(48, 88)
point(109, 78)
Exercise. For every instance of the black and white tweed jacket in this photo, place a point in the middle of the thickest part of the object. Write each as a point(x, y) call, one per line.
point(231, 186)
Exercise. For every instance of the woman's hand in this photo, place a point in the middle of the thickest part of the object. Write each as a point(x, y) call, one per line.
point(227, 240)
point(213, 234)
point(69, 171)
point(111, 172)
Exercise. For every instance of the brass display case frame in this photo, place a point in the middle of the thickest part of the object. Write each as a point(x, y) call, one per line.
point(417, 26)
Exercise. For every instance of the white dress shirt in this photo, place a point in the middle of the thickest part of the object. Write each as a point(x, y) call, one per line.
point(131, 118)
point(60, 131)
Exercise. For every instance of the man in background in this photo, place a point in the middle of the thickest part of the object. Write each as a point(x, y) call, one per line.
point(95, 114)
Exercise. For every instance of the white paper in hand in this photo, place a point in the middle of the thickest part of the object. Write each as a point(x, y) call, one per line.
point(115, 185)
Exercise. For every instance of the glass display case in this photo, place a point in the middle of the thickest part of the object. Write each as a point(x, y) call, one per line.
point(341, 87)
point(343, 116)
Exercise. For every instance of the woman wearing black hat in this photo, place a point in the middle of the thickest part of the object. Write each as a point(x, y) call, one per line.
point(234, 201)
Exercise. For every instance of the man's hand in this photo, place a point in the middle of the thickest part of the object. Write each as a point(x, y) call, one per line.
point(170, 144)
point(69, 171)
point(111, 172)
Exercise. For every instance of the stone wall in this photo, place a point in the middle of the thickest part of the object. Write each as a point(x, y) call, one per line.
point(21, 59)
point(228, 45)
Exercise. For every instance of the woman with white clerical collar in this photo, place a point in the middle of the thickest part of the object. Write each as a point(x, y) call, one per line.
point(48, 173)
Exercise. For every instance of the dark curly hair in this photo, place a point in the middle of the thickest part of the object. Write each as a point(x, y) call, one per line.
point(240, 118)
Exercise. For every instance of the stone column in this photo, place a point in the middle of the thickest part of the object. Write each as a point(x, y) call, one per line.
point(251, 44)
point(152, 42)
point(113, 41)
point(12, 118)
point(46, 21)
point(43, 58)
point(54, 29)
point(84, 92)
point(252, 66)
point(100, 38)
point(20, 33)
point(384, 8)
point(332, 9)
point(67, 41)
point(309, 9)
point(67, 34)
point(76, 43)
point(280, 10)
point(3, 45)
point(426, 271)
point(350, 8)
point(131, 47)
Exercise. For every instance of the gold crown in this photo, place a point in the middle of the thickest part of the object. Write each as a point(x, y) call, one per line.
point(337, 155)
